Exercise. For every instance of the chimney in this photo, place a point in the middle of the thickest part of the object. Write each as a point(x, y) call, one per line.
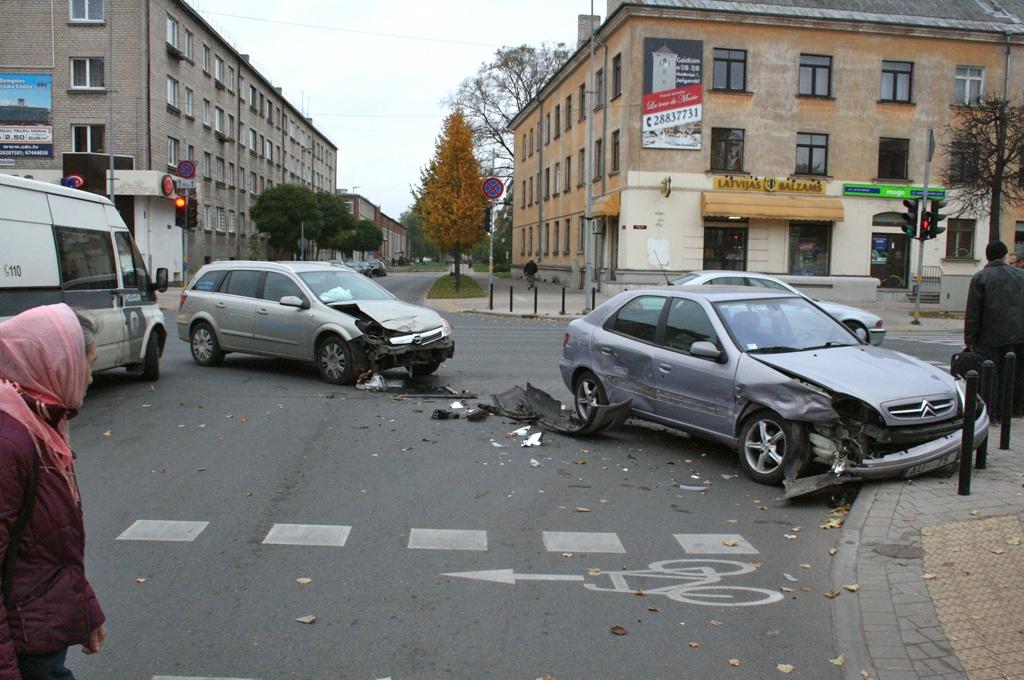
point(245, 58)
point(278, 90)
point(583, 24)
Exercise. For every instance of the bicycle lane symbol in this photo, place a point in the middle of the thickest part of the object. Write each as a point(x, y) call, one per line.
point(687, 581)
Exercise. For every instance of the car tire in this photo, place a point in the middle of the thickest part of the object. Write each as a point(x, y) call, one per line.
point(334, 361)
point(419, 370)
point(206, 350)
point(587, 392)
point(151, 361)
point(766, 438)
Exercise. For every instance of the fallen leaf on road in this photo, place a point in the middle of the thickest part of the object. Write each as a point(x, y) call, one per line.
point(832, 523)
point(694, 645)
point(306, 619)
point(998, 551)
point(790, 537)
point(715, 623)
point(833, 551)
point(805, 589)
point(534, 463)
point(852, 587)
point(107, 433)
point(653, 609)
point(202, 469)
point(784, 668)
point(805, 565)
point(786, 589)
point(974, 512)
point(1013, 541)
point(838, 661)
point(580, 462)
point(618, 630)
point(866, 675)
point(243, 419)
point(581, 509)
point(732, 521)
point(304, 581)
point(928, 577)
point(593, 571)
point(640, 592)
point(730, 542)
point(146, 406)
point(831, 594)
point(567, 554)
point(795, 529)
point(735, 663)
point(140, 580)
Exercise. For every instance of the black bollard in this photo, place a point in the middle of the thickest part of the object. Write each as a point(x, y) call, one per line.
point(985, 390)
point(510, 299)
point(490, 296)
point(536, 289)
point(967, 434)
point(1006, 405)
point(563, 301)
point(593, 297)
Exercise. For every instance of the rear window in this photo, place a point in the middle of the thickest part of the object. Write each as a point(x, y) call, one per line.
point(243, 282)
point(639, 318)
point(86, 259)
point(209, 281)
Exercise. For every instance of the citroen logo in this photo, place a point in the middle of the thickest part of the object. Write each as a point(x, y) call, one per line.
point(927, 409)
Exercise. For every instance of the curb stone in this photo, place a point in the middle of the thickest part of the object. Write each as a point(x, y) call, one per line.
point(846, 619)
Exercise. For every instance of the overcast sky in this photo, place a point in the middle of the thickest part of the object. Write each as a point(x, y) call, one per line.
point(373, 75)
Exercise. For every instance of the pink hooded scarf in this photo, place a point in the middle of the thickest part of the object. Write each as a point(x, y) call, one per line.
point(42, 353)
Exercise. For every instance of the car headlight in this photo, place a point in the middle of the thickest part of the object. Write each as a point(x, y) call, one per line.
point(445, 326)
point(961, 392)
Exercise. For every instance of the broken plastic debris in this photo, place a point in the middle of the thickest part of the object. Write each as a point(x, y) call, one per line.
point(533, 439)
point(534, 463)
point(306, 619)
point(442, 414)
point(521, 432)
point(303, 581)
point(456, 405)
point(790, 577)
point(497, 445)
point(374, 383)
point(532, 403)
point(784, 668)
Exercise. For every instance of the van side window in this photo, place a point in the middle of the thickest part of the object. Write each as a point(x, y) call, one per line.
point(243, 282)
point(86, 259)
point(210, 281)
point(278, 285)
point(133, 271)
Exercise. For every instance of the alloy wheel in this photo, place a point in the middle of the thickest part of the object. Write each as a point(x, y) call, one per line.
point(765, 446)
point(202, 344)
point(332, 360)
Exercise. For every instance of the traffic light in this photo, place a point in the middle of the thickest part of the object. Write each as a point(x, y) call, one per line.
point(192, 219)
point(933, 210)
point(926, 226)
point(487, 220)
point(910, 218)
point(180, 211)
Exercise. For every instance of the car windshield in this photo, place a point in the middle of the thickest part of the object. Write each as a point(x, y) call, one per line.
point(333, 285)
point(789, 324)
point(684, 279)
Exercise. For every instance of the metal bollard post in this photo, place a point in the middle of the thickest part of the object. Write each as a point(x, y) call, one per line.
point(536, 289)
point(593, 297)
point(510, 299)
point(563, 301)
point(963, 488)
point(985, 391)
point(1006, 405)
point(490, 296)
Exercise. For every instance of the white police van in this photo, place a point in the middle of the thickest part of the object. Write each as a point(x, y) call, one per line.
point(64, 245)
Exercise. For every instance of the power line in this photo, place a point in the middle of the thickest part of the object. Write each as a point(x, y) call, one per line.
point(352, 30)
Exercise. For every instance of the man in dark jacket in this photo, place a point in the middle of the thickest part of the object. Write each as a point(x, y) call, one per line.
point(994, 323)
point(530, 271)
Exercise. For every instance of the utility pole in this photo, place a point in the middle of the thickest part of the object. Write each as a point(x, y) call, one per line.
point(930, 145)
point(108, 75)
point(590, 257)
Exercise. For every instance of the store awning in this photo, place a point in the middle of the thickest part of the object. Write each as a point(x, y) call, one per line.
point(606, 205)
point(771, 206)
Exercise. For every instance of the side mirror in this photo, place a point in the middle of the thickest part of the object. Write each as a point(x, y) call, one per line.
point(161, 279)
point(703, 348)
point(294, 301)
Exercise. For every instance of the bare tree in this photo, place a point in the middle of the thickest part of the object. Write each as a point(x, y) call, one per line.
point(500, 89)
point(984, 146)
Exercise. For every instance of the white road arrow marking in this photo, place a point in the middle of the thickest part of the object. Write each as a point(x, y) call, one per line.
point(508, 577)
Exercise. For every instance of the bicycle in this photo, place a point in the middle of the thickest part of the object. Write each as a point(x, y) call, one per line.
point(699, 578)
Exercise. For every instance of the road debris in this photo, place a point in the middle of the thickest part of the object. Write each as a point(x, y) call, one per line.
point(852, 587)
point(455, 405)
point(838, 661)
point(790, 577)
point(521, 432)
point(310, 619)
point(442, 414)
point(735, 663)
point(304, 581)
point(618, 630)
point(784, 668)
point(532, 440)
point(532, 403)
point(371, 382)
point(534, 463)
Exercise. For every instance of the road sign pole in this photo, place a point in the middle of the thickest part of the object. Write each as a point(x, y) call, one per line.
point(930, 149)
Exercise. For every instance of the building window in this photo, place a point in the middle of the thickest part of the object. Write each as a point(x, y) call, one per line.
point(547, 183)
point(87, 138)
point(598, 158)
point(963, 162)
point(568, 173)
point(897, 81)
point(547, 237)
point(188, 102)
point(531, 141)
point(207, 164)
point(524, 147)
point(730, 70)
point(190, 152)
point(270, 150)
point(263, 146)
point(231, 127)
point(811, 154)
point(172, 152)
point(581, 172)
point(172, 31)
point(815, 76)
point(809, 249)
point(960, 240)
point(522, 199)
point(558, 178)
point(893, 154)
point(599, 89)
point(568, 112)
point(188, 45)
point(172, 92)
point(252, 96)
point(725, 247)
point(206, 112)
point(252, 139)
point(231, 78)
point(540, 133)
point(616, 75)
point(87, 73)
point(241, 178)
point(218, 119)
point(219, 176)
point(530, 200)
point(558, 120)
point(969, 85)
point(615, 151)
point(206, 58)
point(218, 69)
point(207, 217)
point(583, 102)
point(581, 234)
point(252, 182)
point(220, 219)
point(231, 222)
point(727, 149)
point(87, 10)
point(568, 228)
point(557, 240)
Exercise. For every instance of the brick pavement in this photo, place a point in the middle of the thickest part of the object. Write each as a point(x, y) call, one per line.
point(941, 576)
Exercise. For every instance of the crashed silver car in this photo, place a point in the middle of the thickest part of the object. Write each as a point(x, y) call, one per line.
point(771, 375)
point(312, 311)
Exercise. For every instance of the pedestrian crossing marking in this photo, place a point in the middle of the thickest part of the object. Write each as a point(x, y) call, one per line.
point(929, 337)
point(582, 542)
point(162, 530)
point(193, 677)
point(308, 534)
point(715, 544)
point(447, 539)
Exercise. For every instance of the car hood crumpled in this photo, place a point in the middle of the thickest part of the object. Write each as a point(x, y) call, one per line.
point(871, 374)
point(397, 316)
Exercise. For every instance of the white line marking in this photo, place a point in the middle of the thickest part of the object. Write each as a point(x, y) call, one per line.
point(334, 536)
point(582, 542)
point(508, 577)
point(162, 530)
point(447, 539)
point(193, 677)
point(715, 544)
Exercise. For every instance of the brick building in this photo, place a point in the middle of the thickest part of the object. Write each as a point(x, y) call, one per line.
point(180, 91)
point(769, 136)
point(395, 245)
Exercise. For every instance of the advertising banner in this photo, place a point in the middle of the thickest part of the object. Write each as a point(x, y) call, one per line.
point(26, 103)
point(673, 93)
point(891, 191)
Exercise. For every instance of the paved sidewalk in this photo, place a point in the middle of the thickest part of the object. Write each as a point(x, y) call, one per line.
point(941, 576)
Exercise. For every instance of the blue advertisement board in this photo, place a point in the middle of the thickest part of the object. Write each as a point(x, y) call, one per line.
point(26, 107)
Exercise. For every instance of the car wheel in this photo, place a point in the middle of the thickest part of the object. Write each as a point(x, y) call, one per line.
point(766, 438)
point(588, 392)
point(425, 369)
point(205, 349)
point(151, 362)
point(334, 361)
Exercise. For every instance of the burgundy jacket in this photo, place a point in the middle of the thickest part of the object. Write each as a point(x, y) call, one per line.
point(51, 605)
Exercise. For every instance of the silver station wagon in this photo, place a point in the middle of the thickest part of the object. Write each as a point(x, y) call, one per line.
point(312, 311)
point(773, 376)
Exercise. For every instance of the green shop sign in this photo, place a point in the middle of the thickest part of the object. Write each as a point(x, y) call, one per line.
point(891, 191)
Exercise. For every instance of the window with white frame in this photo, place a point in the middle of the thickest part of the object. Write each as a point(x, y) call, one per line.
point(206, 112)
point(172, 31)
point(207, 217)
point(269, 151)
point(231, 222)
point(241, 223)
point(87, 73)
point(218, 68)
point(241, 177)
point(969, 85)
point(252, 96)
point(86, 10)
point(206, 58)
point(231, 127)
point(187, 46)
point(221, 219)
point(252, 182)
point(231, 174)
point(87, 138)
point(252, 138)
point(172, 92)
point(582, 234)
point(207, 164)
point(231, 77)
point(172, 152)
point(219, 170)
point(190, 152)
point(263, 145)
point(188, 102)
point(218, 119)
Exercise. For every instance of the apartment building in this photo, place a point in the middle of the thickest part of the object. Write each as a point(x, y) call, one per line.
point(766, 136)
point(151, 82)
point(395, 244)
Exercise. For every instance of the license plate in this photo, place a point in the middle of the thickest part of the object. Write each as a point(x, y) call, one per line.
point(931, 465)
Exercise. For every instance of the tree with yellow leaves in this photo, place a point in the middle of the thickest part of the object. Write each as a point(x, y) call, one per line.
point(449, 198)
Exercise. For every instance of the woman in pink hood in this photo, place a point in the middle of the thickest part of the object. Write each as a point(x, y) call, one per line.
point(46, 357)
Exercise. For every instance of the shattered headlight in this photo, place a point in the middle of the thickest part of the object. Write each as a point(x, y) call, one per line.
point(961, 393)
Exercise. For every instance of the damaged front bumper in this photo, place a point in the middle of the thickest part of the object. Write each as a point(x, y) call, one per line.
point(426, 347)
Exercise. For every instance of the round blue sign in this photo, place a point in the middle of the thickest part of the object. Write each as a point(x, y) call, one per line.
point(493, 188)
point(186, 169)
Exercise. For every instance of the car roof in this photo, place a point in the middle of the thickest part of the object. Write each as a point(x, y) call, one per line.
point(715, 293)
point(727, 272)
point(288, 266)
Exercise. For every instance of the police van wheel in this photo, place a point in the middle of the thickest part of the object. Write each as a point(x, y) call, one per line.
point(205, 348)
point(151, 362)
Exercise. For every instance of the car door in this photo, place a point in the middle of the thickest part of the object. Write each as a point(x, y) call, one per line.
point(622, 351)
point(282, 330)
point(135, 292)
point(694, 391)
point(234, 309)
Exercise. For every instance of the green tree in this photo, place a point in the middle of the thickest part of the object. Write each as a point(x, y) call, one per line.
point(282, 213)
point(365, 237)
point(416, 237)
point(337, 221)
point(449, 198)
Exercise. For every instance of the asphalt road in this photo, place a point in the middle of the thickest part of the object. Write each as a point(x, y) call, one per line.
point(257, 444)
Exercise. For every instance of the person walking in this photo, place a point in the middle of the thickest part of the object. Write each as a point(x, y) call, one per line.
point(46, 358)
point(994, 323)
point(530, 271)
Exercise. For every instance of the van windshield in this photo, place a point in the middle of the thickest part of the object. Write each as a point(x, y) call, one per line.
point(335, 285)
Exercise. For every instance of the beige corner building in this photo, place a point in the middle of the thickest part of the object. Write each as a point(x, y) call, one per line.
point(763, 136)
